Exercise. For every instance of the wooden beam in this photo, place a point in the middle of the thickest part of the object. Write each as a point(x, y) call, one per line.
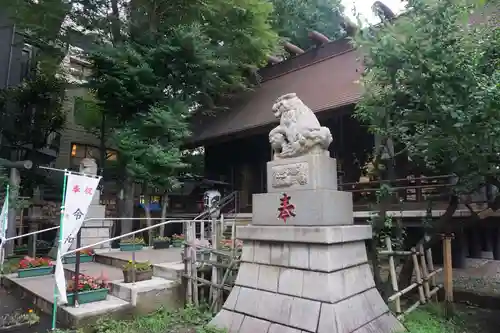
point(293, 49)
point(318, 37)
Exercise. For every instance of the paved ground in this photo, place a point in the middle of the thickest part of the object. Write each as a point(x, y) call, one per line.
point(10, 303)
point(479, 320)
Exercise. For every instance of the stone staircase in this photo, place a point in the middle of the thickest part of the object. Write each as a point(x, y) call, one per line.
point(163, 290)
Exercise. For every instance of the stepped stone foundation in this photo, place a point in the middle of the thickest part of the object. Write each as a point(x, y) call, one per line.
point(308, 274)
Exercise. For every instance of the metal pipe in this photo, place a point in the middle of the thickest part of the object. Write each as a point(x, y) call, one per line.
point(131, 233)
point(91, 219)
point(31, 233)
point(77, 267)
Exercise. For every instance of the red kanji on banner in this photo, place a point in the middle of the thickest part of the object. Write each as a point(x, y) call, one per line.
point(286, 209)
point(88, 190)
point(76, 188)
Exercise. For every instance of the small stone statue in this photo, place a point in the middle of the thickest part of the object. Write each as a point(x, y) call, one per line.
point(88, 166)
point(299, 132)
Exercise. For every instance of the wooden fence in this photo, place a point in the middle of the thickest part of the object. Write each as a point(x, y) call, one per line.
point(211, 263)
point(424, 282)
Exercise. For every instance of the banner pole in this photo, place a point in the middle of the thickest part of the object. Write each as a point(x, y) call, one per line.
point(4, 228)
point(59, 245)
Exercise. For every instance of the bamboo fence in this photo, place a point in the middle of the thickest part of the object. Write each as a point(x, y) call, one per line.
point(211, 262)
point(424, 282)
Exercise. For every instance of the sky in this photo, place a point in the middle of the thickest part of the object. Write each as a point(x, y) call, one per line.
point(363, 8)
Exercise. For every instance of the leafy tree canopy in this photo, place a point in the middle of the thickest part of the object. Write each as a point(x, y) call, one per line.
point(170, 58)
point(294, 19)
point(431, 84)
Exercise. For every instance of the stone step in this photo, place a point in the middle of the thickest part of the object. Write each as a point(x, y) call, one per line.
point(150, 295)
point(119, 258)
point(94, 269)
point(170, 271)
point(40, 292)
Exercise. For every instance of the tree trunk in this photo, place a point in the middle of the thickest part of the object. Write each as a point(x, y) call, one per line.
point(115, 22)
point(15, 182)
point(147, 214)
point(375, 260)
point(442, 224)
point(164, 208)
point(127, 205)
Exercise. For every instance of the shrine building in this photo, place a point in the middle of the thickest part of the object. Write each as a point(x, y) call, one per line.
point(326, 78)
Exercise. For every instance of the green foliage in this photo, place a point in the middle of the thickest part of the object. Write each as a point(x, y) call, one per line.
point(431, 319)
point(431, 84)
point(294, 19)
point(137, 266)
point(173, 58)
point(190, 318)
point(36, 106)
point(41, 23)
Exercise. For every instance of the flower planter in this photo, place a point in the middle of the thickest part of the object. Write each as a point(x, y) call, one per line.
point(131, 247)
point(161, 244)
point(83, 258)
point(17, 328)
point(88, 296)
point(32, 272)
point(139, 276)
point(177, 243)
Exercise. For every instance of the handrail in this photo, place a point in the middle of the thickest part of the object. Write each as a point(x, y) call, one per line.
point(398, 180)
point(132, 234)
point(31, 233)
point(87, 220)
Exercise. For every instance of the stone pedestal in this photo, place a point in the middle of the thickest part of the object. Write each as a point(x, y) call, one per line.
point(310, 273)
point(96, 230)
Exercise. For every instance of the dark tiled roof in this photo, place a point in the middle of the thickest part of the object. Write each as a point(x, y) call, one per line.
point(329, 83)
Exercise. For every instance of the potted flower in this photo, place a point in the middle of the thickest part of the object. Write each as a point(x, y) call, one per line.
point(89, 289)
point(161, 242)
point(227, 244)
point(86, 255)
point(142, 270)
point(132, 244)
point(30, 267)
point(177, 240)
point(18, 321)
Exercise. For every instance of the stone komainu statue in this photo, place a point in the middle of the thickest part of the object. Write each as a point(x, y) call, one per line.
point(88, 166)
point(299, 132)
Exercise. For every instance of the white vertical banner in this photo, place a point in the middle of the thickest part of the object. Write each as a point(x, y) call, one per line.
point(4, 216)
point(4, 222)
point(80, 190)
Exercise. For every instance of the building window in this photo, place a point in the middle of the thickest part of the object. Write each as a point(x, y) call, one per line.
point(81, 151)
point(26, 56)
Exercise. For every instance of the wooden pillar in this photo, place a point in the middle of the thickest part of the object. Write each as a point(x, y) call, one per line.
point(476, 246)
point(459, 250)
point(495, 234)
point(448, 275)
point(487, 239)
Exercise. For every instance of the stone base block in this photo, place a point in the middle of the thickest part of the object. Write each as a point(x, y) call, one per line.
point(171, 271)
point(314, 171)
point(303, 234)
point(311, 208)
point(316, 286)
point(260, 311)
point(149, 295)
